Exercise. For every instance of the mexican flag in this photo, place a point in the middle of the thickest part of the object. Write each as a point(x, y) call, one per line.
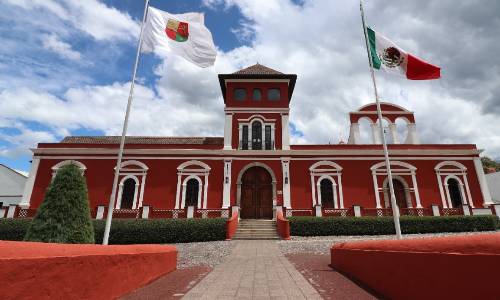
point(181, 34)
point(388, 56)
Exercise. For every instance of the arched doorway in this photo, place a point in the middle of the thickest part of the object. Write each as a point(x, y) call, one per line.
point(192, 192)
point(326, 189)
point(128, 193)
point(256, 194)
point(455, 192)
point(399, 193)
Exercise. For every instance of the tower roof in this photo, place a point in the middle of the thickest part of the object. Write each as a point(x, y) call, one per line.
point(258, 71)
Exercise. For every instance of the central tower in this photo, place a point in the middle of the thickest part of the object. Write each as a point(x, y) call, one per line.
point(257, 104)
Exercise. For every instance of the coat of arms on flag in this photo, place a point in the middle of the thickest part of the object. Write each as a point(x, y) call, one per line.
point(177, 31)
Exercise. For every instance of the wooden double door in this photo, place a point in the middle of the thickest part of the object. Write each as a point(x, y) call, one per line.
point(256, 194)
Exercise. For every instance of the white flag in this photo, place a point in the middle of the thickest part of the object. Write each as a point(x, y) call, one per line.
point(183, 34)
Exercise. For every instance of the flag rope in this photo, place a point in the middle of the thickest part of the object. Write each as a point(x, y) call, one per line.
point(112, 199)
point(395, 209)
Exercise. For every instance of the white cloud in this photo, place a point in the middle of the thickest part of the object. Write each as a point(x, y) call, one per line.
point(53, 43)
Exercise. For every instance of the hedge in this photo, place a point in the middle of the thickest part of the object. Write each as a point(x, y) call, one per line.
point(313, 226)
point(123, 231)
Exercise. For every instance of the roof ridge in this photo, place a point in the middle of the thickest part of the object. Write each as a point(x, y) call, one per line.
point(258, 69)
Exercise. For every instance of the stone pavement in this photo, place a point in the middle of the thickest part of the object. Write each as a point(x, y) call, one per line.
point(254, 270)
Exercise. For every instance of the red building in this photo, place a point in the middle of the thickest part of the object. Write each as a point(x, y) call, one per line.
point(255, 167)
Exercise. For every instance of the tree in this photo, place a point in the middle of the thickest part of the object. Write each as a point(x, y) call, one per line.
point(64, 215)
point(489, 164)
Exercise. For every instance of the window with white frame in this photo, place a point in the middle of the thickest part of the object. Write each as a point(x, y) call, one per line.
point(326, 184)
point(453, 184)
point(61, 164)
point(192, 184)
point(257, 133)
point(132, 181)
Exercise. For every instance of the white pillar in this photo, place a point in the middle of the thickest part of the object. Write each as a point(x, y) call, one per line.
point(11, 211)
point(357, 210)
point(183, 200)
point(377, 139)
point(273, 137)
point(263, 137)
point(228, 134)
point(415, 189)
point(119, 199)
point(136, 195)
point(318, 213)
point(375, 187)
point(145, 212)
point(30, 182)
point(334, 189)
point(354, 134)
point(100, 212)
point(412, 137)
point(341, 194)
point(318, 189)
point(441, 191)
point(240, 136)
point(285, 163)
point(435, 210)
point(469, 197)
point(141, 195)
point(285, 135)
point(313, 190)
point(482, 182)
point(190, 212)
point(450, 205)
point(394, 133)
point(205, 192)
point(178, 192)
point(226, 184)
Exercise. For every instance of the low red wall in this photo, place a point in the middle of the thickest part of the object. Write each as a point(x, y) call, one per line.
point(283, 226)
point(64, 271)
point(459, 267)
point(231, 226)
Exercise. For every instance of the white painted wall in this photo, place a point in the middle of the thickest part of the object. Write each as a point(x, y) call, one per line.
point(493, 180)
point(11, 186)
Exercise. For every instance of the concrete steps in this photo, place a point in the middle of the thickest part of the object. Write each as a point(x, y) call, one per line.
point(252, 229)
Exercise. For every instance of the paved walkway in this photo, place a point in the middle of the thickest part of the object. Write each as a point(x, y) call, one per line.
point(254, 270)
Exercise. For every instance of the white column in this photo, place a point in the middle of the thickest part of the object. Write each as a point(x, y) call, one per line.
point(334, 189)
point(136, 195)
point(178, 192)
point(205, 192)
point(30, 182)
point(313, 190)
point(145, 212)
point(375, 187)
point(199, 203)
point(100, 212)
point(285, 163)
point(183, 200)
point(273, 137)
point(341, 194)
point(240, 136)
point(394, 133)
point(263, 137)
point(285, 135)
point(318, 189)
point(412, 137)
point(119, 199)
point(415, 189)
point(450, 205)
point(141, 195)
point(226, 193)
point(249, 136)
point(441, 192)
point(354, 134)
point(377, 139)
point(469, 197)
point(482, 182)
point(228, 134)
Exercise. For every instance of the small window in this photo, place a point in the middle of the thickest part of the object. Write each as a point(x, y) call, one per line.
point(240, 94)
point(273, 94)
point(257, 95)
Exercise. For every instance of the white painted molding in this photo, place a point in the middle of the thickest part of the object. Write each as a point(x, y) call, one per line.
point(435, 210)
point(482, 182)
point(228, 131)
point(100, 212)
point(30, 183)
point(226, 183)
point(354, 134)
point(285, 164)
point(145, 212)
point(285, 134)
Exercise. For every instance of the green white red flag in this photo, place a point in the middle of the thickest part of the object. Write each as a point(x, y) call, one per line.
point(181, 34)
point(388, 56)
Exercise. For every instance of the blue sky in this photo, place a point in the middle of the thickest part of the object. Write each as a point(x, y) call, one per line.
point(65, 68)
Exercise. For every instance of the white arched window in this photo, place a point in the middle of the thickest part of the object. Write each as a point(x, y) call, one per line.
point(189, 173)
point(326, 181)
point(61, 164)
point(256, 133)
point(400, 170)
point(453, 183)
point(132, 180)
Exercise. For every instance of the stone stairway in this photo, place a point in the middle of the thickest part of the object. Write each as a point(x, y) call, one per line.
point(255, 229)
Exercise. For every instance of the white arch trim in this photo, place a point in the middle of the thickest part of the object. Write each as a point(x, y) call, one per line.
point(325, 163)
point(393, 163)
point(450, 163)
point(134, 163)
point(69, 162)
point(240, 176)
point(383, 103)
point(184, 189)
point(257, 116)
point(195, 163)
point(120, 191)
point(387, 198)
point(334, 189)
point(461, 187)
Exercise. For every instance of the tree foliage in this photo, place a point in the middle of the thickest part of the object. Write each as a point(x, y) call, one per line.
point(64, 215)
point(489, 164)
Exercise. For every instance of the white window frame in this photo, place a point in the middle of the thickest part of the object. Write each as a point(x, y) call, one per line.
point(453, 169)
point(264, 122)
point(183, 174)
point(326, 169)
point(139, 173)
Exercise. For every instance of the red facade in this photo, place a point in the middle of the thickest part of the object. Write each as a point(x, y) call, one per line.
point(168, 174)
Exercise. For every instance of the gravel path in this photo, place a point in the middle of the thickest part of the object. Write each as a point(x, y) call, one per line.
point(322, 244)
point(203, 253)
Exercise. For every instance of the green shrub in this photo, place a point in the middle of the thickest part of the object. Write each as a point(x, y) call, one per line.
point(161, 231)
point(312, 226)
point(64, 215)
point(13, 229)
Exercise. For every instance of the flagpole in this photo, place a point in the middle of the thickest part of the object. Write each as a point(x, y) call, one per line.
point(395, 209)
point(111, 206)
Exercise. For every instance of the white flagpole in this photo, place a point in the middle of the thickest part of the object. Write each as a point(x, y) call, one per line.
point(395, 209)
point(111, 206)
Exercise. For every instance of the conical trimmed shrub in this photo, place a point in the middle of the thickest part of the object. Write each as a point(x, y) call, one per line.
point(64, 215)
